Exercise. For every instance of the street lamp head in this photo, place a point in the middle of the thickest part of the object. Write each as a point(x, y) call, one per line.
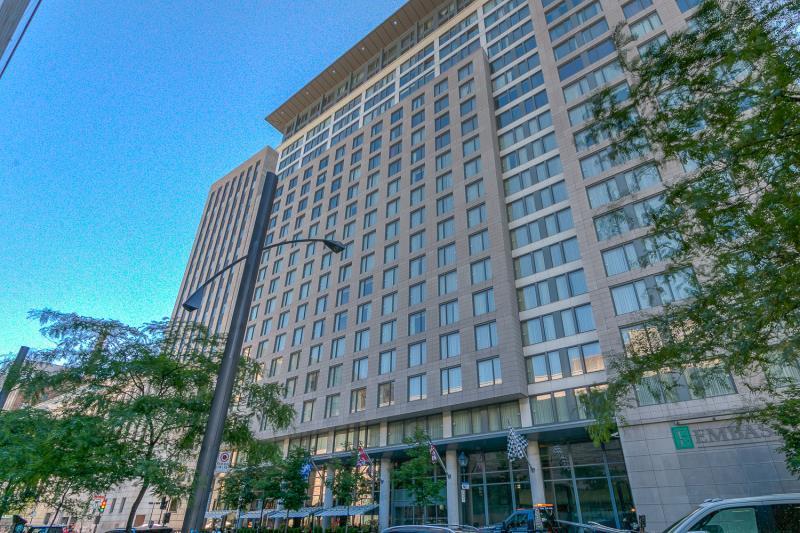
point(334, 246)
point(462, 460)
point(193, 302)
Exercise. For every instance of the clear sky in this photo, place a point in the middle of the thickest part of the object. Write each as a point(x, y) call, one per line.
point(116, 116)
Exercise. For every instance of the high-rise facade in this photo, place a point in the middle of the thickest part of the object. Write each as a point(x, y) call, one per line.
point(492, 265)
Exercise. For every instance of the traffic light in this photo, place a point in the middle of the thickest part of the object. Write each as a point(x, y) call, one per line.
point(167, 516)
point(163, 503)
point(103, 504)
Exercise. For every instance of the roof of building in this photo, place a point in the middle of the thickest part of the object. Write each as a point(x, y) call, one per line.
point(367, 48)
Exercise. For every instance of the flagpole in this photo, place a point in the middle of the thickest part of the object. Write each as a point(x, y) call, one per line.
point(438, 457)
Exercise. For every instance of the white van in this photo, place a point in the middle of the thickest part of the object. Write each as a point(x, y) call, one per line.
point(779, 513)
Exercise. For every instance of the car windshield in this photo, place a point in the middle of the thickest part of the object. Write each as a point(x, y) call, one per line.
point(685, 518)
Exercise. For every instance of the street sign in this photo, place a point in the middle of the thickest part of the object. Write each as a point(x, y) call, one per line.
point(682, 437)
point(223, 462)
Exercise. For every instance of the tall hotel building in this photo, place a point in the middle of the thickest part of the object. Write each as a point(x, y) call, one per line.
point(491, 267)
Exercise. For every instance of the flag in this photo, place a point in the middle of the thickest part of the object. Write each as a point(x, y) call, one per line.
point(434, 454)
point(517, 445)
point(305, 470)
point(363, 458)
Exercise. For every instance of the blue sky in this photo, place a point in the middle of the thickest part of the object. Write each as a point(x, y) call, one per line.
point(115, 117)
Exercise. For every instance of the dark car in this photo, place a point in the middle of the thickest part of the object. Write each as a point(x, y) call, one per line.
point(140, 529)
point(45, 529)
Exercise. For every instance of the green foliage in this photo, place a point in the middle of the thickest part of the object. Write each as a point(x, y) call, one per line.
point(293, 486)
point(55, 461)
point(723, 99)
point(416, 474)
point(349, 483)
point(152, 389)
point(256, 477)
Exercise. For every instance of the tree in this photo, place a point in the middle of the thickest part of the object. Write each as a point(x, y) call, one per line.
point(55, 461)
point(349, 485)
point(152, 388)
point(294, 481)
point(722, 98)
point(256, 476)
point(417, 473)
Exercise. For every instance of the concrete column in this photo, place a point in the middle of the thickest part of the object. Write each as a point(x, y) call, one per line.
point(537, 478)
point(327, 496)
point(384, 510)
point(447, 424)
point(453, 489)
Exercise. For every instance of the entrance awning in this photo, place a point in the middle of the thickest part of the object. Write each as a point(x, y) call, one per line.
point(300, 513)
point(355, 510)
point(257, 514)
point(218, 514)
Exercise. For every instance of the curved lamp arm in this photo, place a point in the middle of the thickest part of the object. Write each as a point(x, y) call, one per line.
point(193, 302)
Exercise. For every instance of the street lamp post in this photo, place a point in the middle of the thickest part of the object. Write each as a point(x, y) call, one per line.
point(463, 461)
point(206, 462)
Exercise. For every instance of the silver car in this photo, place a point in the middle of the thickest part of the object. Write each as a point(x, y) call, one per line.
point(779, 513)
point(433, 528)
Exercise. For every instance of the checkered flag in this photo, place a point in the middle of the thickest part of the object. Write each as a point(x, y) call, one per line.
point(517, 445)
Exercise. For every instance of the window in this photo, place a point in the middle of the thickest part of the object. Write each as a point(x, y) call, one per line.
point(465, 71)
point(446, 255)
point(451, 380)
point(642, 27)
point(417, 354)
point(444, 182)
point(294, 361)
point(340, 321)
point(485, 336)
point(332, 405)
point(441, 104)
point(448, 282)
point(467, 106)
point(443, 161)
point(290, 388)
point(390, 252)
point(442, 141)
point(387, 362)
point(334, 376)
point(481, 271)
point(389, 277)
point(274, 366)
point(444, 204)
point(472, 168)
point(417, 174)
point(416, 241)
point(308, 411)
point(623, 184)
point(337, 347)
point(416, 293)
point(360, 368)
point(363, 313)
point(388, 331)
point(558, 324)
point(476, 216)
point(315, 354)
point(632, 8)
point(416, 323)
point(417, 196)
point(389, 304)
point(652, 291)
point(417, 388)
point(474, 190)
point(489, 372)
point(416, 266)
point(478, 242)
point(386, 394)
point(358, 400)
point(551, 290)
point(417, 217)
point(445, 229)
point(312, 378)
point(450, 345)
point(448, 313)
point(361, 340)
point(365, 287)
point(565, 362)
point(483, 302)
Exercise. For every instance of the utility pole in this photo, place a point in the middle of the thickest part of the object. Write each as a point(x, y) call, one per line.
point(12, 376)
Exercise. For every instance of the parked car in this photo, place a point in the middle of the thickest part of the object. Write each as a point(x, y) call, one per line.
point(779, 513)
point(45, 529)
point(538, 519)
point(142, 529)
point(432, 528)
